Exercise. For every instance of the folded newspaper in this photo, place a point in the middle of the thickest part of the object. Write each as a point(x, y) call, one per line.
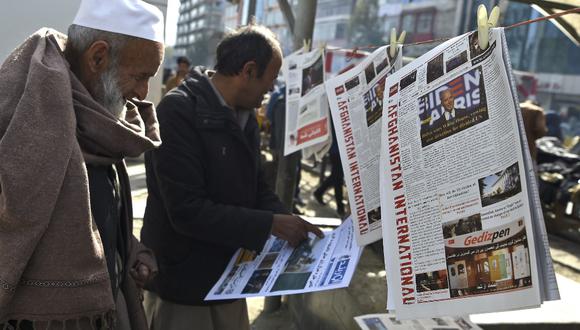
point(463, 230)
point(356, 104)
point(390, 322)
point(317, 264)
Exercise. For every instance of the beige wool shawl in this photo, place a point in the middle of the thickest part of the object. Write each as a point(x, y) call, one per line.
point(52, 263)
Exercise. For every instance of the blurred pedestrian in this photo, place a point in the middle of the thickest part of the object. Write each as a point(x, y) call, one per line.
point(534, 124)
point(183, 67)
point(207, 193)
point(554, 124)
point(67, 120)
point(336, 179)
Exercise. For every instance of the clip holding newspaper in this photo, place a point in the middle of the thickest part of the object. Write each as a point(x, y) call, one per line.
point(465, 231)
point(307, 119)
point(389, 321)
point(356, 103)
point(317, 264)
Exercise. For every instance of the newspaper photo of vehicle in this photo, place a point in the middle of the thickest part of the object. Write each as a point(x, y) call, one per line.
point(315, 265)
point(456, 180)
point(356, 106)
point(307, 116)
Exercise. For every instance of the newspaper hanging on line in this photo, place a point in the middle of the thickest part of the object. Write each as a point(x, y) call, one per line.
point(465, 231)
point(356, 105)
point(337, 61)
point(307, 119)
point(316, 265)
point(389, 321)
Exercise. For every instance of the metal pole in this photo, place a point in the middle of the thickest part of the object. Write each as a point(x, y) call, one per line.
point(287, 166)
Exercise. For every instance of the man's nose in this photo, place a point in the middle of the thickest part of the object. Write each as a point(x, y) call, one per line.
point(142, 89)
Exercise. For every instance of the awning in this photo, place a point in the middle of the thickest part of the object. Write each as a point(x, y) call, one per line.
point(568, 24)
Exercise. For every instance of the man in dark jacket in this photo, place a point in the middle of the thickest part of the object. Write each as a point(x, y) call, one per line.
point(207, 195)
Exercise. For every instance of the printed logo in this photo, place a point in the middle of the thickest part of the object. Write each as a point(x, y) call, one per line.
point(339, 270)
point(393, 90)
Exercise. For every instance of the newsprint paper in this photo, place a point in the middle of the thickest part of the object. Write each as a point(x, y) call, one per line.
point(356, 105)
point(458, 189)
point(316, 265)
point(390, 322)
point(307, 119)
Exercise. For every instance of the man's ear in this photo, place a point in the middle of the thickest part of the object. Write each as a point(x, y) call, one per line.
point(97, 56)
point(250, 70)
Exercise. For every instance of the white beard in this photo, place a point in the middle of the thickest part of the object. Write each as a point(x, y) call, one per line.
point(109, 93)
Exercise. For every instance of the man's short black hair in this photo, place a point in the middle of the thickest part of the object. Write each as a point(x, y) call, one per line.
point(248, 43)
point(183, 59)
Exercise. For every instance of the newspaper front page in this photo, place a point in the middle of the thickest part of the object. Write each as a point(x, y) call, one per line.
point(316, 265)
point(336, 61)
point(454, 186)
point(307, 119)
point(389, 321)
point(356, 103)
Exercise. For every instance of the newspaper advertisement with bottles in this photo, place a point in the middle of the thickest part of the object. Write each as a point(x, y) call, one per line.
point(317, 264)
point(464, 230)
point(307, 118)
point(389, 321)
point(356, 106)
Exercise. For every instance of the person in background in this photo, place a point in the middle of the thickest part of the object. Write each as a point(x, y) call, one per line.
point(183, 67)
point(70, 111)
point(534, 124)
point(207, 193)
point(336, 178)
point(554, 124)
point(276, 114)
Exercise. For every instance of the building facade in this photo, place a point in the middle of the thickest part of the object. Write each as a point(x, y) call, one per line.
point(199, 29)
point(332, 22)
point(544, 60)
point(422, 20)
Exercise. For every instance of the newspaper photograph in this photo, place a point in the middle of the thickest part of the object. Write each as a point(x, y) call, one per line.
point(356, 106)
point(390, 322)
point(455, 186)
point(307, 118)
point(318, 264)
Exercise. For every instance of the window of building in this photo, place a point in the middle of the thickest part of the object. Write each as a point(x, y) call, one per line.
point(340, 31)
point(418, 24)
point(424, 23)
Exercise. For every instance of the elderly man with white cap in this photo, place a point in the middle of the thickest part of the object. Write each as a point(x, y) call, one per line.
point(71, 109)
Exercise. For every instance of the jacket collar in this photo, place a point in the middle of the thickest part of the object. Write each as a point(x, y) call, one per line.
point(210, 104)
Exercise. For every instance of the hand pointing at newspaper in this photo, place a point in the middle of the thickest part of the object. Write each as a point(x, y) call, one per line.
point(293, 229)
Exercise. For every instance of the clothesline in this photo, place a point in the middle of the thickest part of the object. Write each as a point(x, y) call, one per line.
point(566, 12)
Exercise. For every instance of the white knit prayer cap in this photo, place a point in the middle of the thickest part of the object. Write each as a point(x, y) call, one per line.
point(130, 17)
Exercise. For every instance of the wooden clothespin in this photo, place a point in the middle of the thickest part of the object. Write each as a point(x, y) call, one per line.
point(394, 41)
point(306, 43)
point(484, 23)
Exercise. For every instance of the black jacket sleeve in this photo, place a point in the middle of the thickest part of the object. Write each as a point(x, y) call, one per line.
point(267, 199)
point(179, 172)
